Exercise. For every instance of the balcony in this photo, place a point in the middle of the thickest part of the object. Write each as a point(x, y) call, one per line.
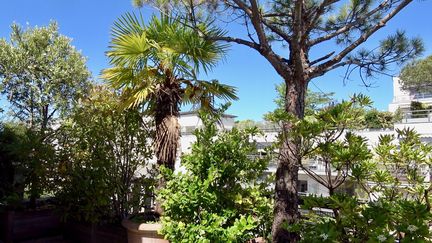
point(418, 116)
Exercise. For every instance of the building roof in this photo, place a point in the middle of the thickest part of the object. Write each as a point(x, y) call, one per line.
point(196, 113)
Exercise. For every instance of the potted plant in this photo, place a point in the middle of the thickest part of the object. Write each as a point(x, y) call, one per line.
point(144, 228)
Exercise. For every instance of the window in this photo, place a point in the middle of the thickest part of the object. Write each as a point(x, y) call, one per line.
point(302, 186)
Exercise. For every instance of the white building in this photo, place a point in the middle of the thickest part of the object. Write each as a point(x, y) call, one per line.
point(401, 100)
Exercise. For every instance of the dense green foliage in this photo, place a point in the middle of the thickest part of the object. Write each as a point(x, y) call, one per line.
point(316, 101)
point(398, 193)
point(42, 74)
point(27, 164)
point(376, 119)
point(417, 75)
point(220, 197)
point(104, 157)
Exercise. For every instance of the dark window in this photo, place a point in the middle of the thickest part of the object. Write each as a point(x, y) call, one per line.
point(302, 186)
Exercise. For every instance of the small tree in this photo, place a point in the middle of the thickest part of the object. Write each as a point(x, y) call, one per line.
point(156, 65)
point(104, 154)
point(42, 74)
point(397, 183)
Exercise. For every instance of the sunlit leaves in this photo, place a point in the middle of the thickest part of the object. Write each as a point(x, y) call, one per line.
point(41, 73)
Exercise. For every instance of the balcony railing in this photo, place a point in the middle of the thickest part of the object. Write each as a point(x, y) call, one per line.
point(423, 96)
point(418, 116)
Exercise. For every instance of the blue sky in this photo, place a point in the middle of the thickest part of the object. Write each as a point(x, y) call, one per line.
point(88, 22)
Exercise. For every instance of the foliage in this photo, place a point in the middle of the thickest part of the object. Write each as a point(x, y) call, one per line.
point(220, 196)
point(398, 206)
point(248, 123)
point(419, 109)
point(27, 164)
point(376, 119)
point(12, 167)
point(156, 66)
point(104, 156)
point(42, 75)
point(304, 29)
point(326, 139)
point(418, 106)
point(313, 102)
point(417, 75)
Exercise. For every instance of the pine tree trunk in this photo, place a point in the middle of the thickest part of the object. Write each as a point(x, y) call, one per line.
point(286, 197)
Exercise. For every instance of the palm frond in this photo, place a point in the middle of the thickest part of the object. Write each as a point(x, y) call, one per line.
point(201, 94)
point(129, 23)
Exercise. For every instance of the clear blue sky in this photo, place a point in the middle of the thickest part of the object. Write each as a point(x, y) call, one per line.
point(88, 22)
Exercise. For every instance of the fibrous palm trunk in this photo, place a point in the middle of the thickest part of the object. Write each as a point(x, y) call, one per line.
point(167, 128)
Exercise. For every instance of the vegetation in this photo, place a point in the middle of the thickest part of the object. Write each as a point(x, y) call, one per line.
point(157, 65)
point(104, 172)
point(301, 27)
point(220, 197)
point(13, 164)
point(90, 144)
point(401, 212)
point(314, 101)
point(42, 76)
point(417, 75)
point(317, 101)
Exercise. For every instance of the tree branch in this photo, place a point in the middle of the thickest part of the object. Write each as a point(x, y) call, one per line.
point(350, 25)
point(329, 65)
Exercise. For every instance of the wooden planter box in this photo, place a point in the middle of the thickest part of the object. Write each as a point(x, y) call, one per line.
point(143, 233)
point(26, 225)
point(92, 233)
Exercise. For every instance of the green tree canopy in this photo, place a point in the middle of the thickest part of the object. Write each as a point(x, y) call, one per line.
point(42, 74)
point(417, 75)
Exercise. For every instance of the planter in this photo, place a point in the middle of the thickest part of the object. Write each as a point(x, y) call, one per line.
point(143, 233)
point(20, 226)
point(92, 233)
point(258, 240)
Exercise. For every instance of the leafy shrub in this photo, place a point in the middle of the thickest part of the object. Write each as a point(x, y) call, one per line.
point(399, 201)
point(27, 162)
point(103, 173)
point(220, 197)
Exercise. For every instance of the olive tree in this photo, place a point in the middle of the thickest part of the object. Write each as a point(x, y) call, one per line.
point(42, 74)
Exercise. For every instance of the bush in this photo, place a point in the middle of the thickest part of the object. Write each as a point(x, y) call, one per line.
point(220, 197)
point(26, 164)
point(103, 176)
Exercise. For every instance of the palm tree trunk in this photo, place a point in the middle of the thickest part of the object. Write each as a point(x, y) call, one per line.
point(167, 129)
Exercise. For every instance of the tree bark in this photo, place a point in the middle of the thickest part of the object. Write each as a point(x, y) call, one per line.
point(167, 137)
point(286, 197)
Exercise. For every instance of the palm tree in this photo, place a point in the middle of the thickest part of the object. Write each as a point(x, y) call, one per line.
point(156, 65)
